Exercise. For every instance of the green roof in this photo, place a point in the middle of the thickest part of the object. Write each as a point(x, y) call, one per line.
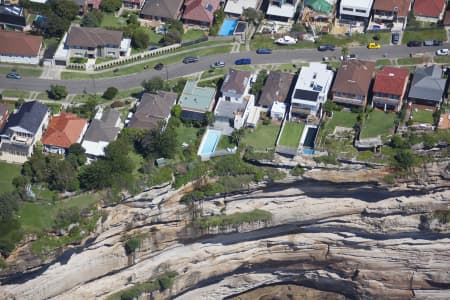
point(197, 98)
point(322, 6)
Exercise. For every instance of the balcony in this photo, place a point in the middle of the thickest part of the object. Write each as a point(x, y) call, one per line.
point(385, 100)
point(349, 101)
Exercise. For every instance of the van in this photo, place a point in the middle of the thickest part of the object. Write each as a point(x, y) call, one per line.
point(428, 43)
point(243, 61)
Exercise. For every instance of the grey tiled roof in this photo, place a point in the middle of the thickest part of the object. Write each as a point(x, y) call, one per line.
point(103, 130)
point(427, 84)
point(29, 117)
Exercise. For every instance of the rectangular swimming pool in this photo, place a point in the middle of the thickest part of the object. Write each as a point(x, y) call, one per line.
point(228, 27)
point(209, 142)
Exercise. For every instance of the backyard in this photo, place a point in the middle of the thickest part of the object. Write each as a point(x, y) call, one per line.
point(186, 134)
point(9, 171)
point(290, 137)
point(194, 34)
point(426, 34)
point(378, 123)
point(422, 116)
point(263, 137)
point(341, 119)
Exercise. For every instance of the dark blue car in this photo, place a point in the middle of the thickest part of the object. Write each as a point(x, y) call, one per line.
point(264, 51)
point(243, 61)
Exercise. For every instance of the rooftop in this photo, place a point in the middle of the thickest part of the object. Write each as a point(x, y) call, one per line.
point(19, 43)
point(236, 81)
point(357, 3)
point(286, 9)
point(197, 98)
point(427, 83)
point(390, 5)
point(277, 87)
point(92, 37)
point(237, 6)
point(162, 8)
point(200, 10)
point(312, 81)
point(391, 80)
point(28, 118)
point(429, 8)
point(64, 130)
point(354, 77)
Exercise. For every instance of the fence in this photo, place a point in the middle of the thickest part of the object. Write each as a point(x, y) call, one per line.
point(189, 43)
point(76, 66)
point(136, 57)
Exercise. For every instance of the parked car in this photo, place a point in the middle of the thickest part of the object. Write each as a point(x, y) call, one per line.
point(349, 57)
point(414, 44)
point(374, 46)
point(442, 52)
point(152, 48)
point(437, 43)
point(218, 64)
point(263, 51)
point(159, 66)
point(243, 61)
point(286, 40)
point(326, 47)
point(190, 59)
point(395, 37)
point(428, 43)
point(13, 75)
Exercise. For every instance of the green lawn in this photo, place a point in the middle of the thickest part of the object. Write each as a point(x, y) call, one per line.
point(7, 174)
point(378, 123)
point(213, 72)
point(125, 70)
point(291, 134)
point(42, 96)
point(383, 62)
point(85, 97)
point(29, 72)
point(193, 34)
point(442, 59)
point(260, 41)
point(413, 60)
point(15, 94)
point(356, 39)
point(342, 119)
point(423, 116)
point(422, 35)
point(37, 217)
point(224, 143)
point(262, 138)
point(186, 134)
point(109, 20)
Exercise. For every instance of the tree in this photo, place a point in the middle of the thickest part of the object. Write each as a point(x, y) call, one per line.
point(92, 19)
point(259, 83)
point(237, 135)
point(76, 154)
point(65, 9)
point(153, 85)
point(172, 37)
point(133, 20)
point(175, 25)
point(54, 26)
point(9, 204)
point(209, 118)
point(160, 143)
point(141, 38)
point(110, 93)
point(176, 110)
point(404, 159)
point(252, 15)
point(57, 92)
point(111, 5)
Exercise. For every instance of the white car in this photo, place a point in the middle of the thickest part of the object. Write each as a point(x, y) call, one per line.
point(286, 40)
point(442, 52)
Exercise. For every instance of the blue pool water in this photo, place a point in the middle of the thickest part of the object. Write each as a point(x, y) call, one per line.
point(210, 141)
point(228, 27)
point(308, 151)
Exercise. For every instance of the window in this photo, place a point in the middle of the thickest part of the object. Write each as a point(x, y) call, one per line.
point(363, 11)
point(347, 8)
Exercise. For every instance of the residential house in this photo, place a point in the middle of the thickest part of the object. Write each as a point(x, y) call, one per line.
point(17, 2)
point(93, 4)
point(281, 10)
point(352, 83)
point(95, 42)
point(311, 91)
point(12, 18)
point(162, 10)
point(429, 10)
point(133, 4)
point(153, 110)
point(102, 130)
point(20, 48)
point(235, 103)
point(351, 10)
point(322, 11)
point(427, 86)
point(389, 88)
point(200, 12)
point(394, 12)
point(236, 7)
point(276, 92)
point(63, 131)
point(22, 130)
point(4, 114)
point(195, 101)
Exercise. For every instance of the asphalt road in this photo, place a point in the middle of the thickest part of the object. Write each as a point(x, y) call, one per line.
point(180, 69)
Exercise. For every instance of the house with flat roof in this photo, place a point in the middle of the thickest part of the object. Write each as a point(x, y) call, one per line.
point(20, 48)
point(22, 130)
point(427, 86)
point(281, 10)
point(358, 10)
point(429, 10)
point(275, 94)
point(392, 11)
point(236, 7)
point(310, 91)
point(352, 83)
point(389, 88)
point(195, 101)
point(102, 130)
point(12, 17)
point(152, 110)
point(200, 12)
point(63, 131)
point(161, 10)
point(94, 42)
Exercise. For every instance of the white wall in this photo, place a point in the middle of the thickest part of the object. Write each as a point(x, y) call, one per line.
point(34, 60)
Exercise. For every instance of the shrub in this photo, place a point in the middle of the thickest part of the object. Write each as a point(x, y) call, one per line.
point(110, 93)
point(57, 92)
point(132, 244)
point(296, 171)
point(116, 104)
point(330, 159)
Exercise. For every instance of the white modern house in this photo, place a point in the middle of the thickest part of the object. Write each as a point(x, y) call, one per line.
point(236, 7)
point(355, 9)
point(281, 10)
point(310, 91)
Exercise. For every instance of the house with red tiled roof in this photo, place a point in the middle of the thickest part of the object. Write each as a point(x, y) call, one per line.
point(429, 10)
point(389, 88)
point(200, 12)
point(19, 47)
point(63, 131)
point(392, 11)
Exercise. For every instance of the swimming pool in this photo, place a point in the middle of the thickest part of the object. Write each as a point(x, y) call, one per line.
point(209, 142)
point(308, 151)
point(228, 27)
